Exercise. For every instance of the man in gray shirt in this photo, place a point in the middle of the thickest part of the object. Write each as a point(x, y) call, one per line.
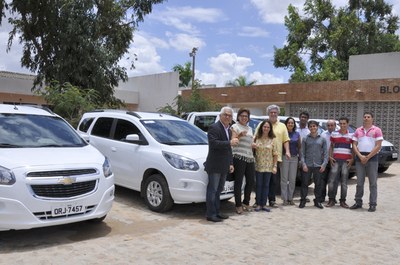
point(314, 158)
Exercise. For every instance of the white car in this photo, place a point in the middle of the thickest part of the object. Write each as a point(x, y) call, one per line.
point(160, 155)
point(48, 174)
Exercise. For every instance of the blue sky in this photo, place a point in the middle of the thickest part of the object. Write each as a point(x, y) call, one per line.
point(234, 37)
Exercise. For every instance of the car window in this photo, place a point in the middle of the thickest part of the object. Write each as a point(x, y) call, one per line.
point(102, 127)
point(24, 130)
point(175, 132)
point(123, 128)
point(85, 124)
point(204, 122)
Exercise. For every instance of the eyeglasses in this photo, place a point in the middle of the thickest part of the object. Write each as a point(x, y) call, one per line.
point(227, 115)
point(243, 116)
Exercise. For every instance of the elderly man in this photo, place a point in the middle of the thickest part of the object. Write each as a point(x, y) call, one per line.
point(219, 162)
point(331, 125)
point(282, 139)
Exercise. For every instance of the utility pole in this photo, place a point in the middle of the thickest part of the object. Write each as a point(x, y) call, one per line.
point(193, 55)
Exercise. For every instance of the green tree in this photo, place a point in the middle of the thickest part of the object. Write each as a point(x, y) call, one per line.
point(241, 81)
point(80, 42)
point(69, 101)
point(185, 73)
point(320, 43)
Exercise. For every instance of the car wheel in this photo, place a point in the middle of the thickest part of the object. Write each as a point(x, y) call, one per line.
point(157, 195)
point(382, 169)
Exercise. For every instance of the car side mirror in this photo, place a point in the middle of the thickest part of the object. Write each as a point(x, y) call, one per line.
point(132, 138)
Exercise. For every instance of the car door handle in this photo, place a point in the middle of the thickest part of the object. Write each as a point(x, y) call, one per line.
point(113, 149)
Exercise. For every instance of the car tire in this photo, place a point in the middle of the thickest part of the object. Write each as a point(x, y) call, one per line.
point(156, 194)
point(382, 169)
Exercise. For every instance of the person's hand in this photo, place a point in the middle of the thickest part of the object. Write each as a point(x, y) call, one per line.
point(363, 159)
point(350, 162)
point(305, 168)
point(243, 133)
point(231, 169)
point(321, 169)
point(234, 141)
point(288, 155)
point(274, 170)
point(332, 161)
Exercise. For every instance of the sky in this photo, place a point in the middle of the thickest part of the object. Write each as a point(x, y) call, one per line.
point(233, 37)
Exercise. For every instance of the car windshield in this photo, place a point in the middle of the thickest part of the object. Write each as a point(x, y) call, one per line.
point(24, 130)
point(175, 132)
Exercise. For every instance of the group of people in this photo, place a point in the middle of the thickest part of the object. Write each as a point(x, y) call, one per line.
point(277, 150)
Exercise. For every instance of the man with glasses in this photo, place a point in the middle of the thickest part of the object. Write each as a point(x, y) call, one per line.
point(219, 162)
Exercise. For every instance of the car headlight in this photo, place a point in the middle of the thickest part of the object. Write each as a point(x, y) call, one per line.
point(180, 162)
point(107, 168)
point(6, 176)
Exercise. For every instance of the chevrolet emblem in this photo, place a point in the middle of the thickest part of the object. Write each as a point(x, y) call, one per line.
point(67, 180)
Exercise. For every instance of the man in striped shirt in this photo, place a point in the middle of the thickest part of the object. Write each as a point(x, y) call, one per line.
point(341, 158)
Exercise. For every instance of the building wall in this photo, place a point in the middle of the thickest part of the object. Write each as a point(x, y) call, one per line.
point(374, 66)
point(322, 100)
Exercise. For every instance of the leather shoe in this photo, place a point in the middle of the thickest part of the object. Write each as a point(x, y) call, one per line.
point(302, 204)
point(372, 208)
point(222, 216)
point(318, 205)
point(355, 206)
point(214, 219)
point(273, 204)
point(331, 203)
point(344, 204)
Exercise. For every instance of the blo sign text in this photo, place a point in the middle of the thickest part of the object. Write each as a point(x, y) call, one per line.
point(389, 89)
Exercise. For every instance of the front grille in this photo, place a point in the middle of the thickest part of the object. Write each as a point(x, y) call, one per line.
point(47, 215)
point(64, 191)
point(387, 148)
point(57, 173)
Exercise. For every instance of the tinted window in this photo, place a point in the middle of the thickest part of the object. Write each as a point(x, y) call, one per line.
point(204, 122)
point(85, 124)
point(102, 127)
point(17, 130)
point(175, 132)
point(123, 128)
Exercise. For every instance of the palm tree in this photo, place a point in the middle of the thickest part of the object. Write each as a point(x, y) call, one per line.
point(185, 73)
point(240, 81)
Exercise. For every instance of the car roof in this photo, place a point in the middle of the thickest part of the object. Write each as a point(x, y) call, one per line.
point(26, 109)
point(141, 115)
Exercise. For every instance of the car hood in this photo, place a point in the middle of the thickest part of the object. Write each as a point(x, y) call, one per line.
point(196, 152)
point(23, 157)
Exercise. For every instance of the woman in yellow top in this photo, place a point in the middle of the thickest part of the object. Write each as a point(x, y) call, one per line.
point(266, 162)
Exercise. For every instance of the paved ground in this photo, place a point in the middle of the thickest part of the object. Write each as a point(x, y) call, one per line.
point(131, 234)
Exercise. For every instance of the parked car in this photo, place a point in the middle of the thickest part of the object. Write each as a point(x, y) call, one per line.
point(48, 174)
point(160, 155)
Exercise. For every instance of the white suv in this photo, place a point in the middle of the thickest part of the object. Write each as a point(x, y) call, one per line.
point(48, 174)
point(161, 156)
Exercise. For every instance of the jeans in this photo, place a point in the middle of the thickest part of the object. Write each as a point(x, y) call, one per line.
point(371, 170)
point(262, 189)
point(273, 183)
point(324, 182)
point(216, 183)
point(305, 179)
point(247, 170)
point(288, 177)
point(339, 170)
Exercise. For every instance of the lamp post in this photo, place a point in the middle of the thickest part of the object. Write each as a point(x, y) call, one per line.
point(193, 55)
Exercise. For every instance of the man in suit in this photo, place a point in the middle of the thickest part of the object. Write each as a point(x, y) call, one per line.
point(219, 162)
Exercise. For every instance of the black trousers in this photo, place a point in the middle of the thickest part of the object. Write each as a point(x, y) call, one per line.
point(247, 170)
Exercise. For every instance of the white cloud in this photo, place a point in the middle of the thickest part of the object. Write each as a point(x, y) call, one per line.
point(182, 17)
point(253, 32)
point(148, 60)
point(228, 66)
point(274, 11)
point(184, 42)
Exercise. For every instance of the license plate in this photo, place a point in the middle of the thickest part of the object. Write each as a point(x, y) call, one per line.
point(67, 210)
point(228, 187)
point(394, 155)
